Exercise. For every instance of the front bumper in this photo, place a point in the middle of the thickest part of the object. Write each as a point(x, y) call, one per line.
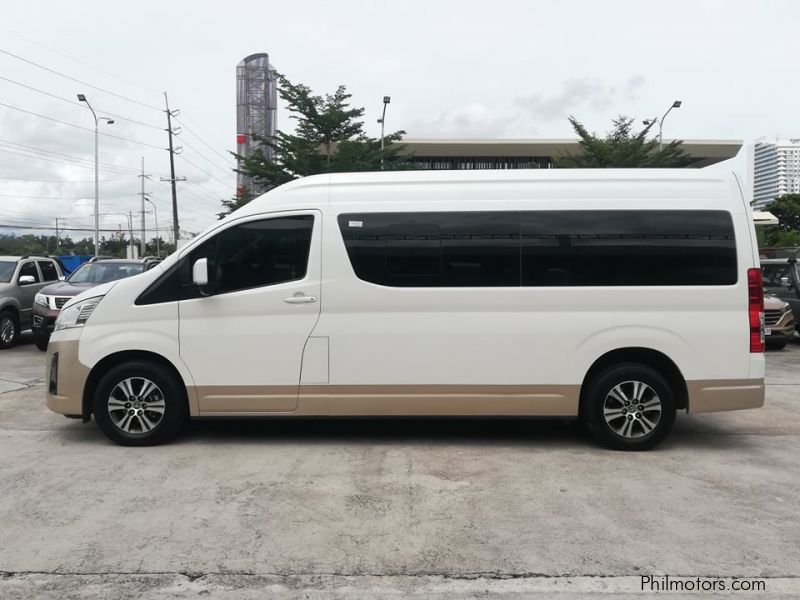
point(66, 376)
point(43, 319)
point(784, 327)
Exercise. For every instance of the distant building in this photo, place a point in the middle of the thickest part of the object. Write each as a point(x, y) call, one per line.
point(533, 153)
point(776, 169)
point(256, 109)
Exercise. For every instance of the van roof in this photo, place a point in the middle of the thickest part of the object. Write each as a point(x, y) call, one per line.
point(518, 175)
point(700, 181)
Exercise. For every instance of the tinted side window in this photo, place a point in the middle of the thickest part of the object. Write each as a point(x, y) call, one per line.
point(453, 249)
point(49, 272)
point(254, 254)
point(29, 268)
point(261, 253)
point(627, 248)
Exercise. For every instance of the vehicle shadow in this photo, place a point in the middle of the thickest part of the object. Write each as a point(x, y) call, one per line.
point(372, 431)
point(505, 432)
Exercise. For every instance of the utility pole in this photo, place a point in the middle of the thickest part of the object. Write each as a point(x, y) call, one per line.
point(130, 228)
point(172, 179)
point(144, 233)
point(56, 235)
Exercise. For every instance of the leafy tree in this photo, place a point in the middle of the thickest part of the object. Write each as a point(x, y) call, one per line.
point(622, 147)
point(166, 248)
point(329, 137)
point(43, 244)
point(787, 231)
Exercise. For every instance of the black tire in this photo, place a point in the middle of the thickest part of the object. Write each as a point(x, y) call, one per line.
point(170, 398)
point(600, 395)
point(9, 329)
point(776, 343)
point(41, 340)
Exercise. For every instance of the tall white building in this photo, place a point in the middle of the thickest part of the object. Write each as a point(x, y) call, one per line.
point(776, 169)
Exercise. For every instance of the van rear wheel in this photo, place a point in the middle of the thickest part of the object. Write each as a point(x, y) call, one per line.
point(139, 403)
point(629, 407)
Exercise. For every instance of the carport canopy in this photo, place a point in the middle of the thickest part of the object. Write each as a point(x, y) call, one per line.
point(763, 217)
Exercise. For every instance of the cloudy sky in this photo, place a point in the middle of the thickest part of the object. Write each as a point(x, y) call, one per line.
point(462, 68)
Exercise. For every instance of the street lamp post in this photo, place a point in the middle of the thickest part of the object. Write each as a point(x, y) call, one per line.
point(82, 98)
point(676, 104)
point(158, 235)
point(382, 120)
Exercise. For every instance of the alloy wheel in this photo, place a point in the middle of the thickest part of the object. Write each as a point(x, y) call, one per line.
point(136, 405)
point(632, 409)
point(7, 330)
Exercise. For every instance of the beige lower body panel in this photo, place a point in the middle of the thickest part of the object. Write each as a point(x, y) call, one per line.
point(445, 400)
point(713, 395)
point(72, 375)
point(391, 400)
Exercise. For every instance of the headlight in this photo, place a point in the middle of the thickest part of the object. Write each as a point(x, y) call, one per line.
point(41, 299)
point(786, 308)
point(77, 314)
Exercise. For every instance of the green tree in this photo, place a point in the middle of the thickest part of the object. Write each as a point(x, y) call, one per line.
point(622, 147)
point(787, 231)
point(329, 137)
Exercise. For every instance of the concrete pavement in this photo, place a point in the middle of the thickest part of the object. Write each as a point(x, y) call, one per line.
point(381, 508)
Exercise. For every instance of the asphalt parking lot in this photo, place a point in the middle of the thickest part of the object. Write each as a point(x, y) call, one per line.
point(392, 509)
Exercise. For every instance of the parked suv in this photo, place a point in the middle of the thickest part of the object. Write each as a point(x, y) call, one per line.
point(782, 280)
point(21, 277)
point(98, 270)
point(779, 322)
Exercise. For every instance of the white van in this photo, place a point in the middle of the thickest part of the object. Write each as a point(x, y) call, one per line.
point(613, 296)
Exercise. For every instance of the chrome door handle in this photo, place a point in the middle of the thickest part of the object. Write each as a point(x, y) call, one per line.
point(300, 299)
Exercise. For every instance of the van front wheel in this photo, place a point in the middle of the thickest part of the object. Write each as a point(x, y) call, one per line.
point(629, 407)
point(139, 403)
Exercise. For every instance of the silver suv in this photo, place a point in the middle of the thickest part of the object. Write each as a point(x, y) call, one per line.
point(20, 278)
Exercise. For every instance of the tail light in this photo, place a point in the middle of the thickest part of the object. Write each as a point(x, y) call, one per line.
point(755, 309)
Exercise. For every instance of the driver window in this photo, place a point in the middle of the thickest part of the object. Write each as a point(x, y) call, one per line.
point(261, 253)
point(29, 268)
point(253, 254)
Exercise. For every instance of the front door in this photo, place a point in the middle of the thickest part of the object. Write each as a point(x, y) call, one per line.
point(27, 291)
point(243, 341)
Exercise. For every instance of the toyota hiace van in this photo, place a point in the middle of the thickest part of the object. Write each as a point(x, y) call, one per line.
point(617, 297)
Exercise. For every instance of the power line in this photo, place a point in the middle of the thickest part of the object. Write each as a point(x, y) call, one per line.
point(182, 124)
point(89, 197)
point(65, 181)
point(211, 175)
point(115, 170)
point(67, 160)
point(109, 135)
point(74, 103)
point(72, 157)
point(80, 62)
point(99, 89)
point(45, 228)
point(226, 170)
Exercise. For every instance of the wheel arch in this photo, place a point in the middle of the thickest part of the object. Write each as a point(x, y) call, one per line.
point(12, 307)
point(117, 358)
point(645, 356)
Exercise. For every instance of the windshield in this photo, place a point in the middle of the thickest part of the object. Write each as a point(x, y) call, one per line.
point(99, 272)
point(6, 270)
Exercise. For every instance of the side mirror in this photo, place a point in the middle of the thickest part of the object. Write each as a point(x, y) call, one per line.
point(200, 272)
point(27, 279)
